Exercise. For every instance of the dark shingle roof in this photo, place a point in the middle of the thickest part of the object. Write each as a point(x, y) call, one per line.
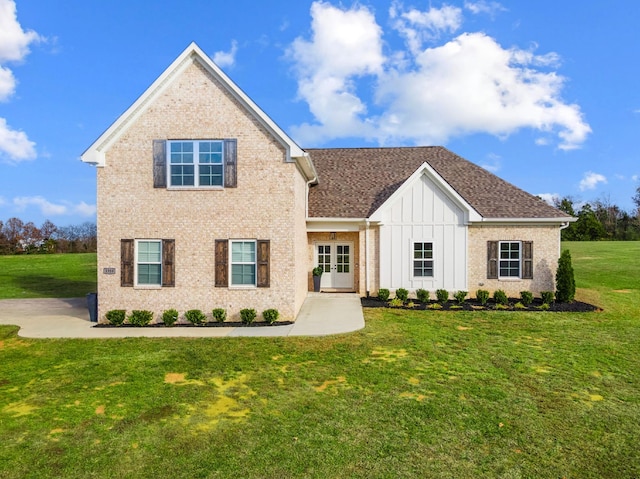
point(355, 182)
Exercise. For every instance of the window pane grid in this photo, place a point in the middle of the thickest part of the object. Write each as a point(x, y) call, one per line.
point(196, 163)
point(243, 263)
point(509, 264)
point(149, 262)
point(423, 259)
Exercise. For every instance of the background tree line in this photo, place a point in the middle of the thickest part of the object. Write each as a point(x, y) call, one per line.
point(601, 220)
point(17, 237)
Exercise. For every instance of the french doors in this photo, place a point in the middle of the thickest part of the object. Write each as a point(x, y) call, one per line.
point(336, 260)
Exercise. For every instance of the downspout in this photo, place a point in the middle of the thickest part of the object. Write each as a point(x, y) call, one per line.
point(366, 255)
point(563, 226)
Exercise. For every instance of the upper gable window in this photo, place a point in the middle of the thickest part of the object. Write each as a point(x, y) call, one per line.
point(196, 163)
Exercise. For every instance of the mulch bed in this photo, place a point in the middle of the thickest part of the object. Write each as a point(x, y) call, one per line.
point(473, 305)
point(225, 324)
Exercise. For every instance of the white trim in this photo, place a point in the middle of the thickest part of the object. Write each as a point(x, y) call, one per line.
point(412, 275)
point(520, 259)
point(526, 221)
point(319, 225)
point(196, 165)
point(255, 264)
point(136, 261)
point(425, 169)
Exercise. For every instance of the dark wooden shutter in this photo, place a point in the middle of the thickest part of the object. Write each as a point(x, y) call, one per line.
point(527, 260)
point(159, 164)
point(230, 163)
point(168, 266)
point(222, 263)
point(492, 260)
point(263, 258)
point(126, 262)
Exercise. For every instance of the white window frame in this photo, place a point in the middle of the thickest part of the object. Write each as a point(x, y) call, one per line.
point(432, 259)
point(500, 260)
point(254, 263)
point(196, 164)
point(137, 263)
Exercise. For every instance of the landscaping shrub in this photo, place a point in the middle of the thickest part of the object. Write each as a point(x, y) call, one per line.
point(396, 303)
point(402, 294)
point(195, 316)
point(500, 297)
point(248, 315)
point(482, 295)
point(460, 295)
point(547, 297)
point(169, 317)
point(442, 295)
point(526, 297)
point(219, 315)
point(116, 316)
point(140, 317)
point(565, 281)
point(270, 315)
point(519, 305)
point(435, 306)
point(383, 294)
point(422, 295)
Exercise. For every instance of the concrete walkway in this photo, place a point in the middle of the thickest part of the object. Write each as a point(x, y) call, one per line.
point(321, 314)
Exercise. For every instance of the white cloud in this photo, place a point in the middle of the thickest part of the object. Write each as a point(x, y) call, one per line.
point(2, 201)
point(226, 59)
point(418, 27)
point(494, 163)
point(590, 180)
point(484, 6)
point(346, 44)
point(635, 177)
point(15, 146)
point(468, 85)
point(549, 198)
point(48, 208)
point(14, 47)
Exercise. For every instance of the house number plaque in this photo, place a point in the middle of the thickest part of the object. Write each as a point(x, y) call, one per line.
point(108, 271)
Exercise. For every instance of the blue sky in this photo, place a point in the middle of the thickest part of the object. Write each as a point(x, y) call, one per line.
point(544, 94)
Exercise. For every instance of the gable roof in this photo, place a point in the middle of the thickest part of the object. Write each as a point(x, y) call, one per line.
point(95, 154)
point(355, 182)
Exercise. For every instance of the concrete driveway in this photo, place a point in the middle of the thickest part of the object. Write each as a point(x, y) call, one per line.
point(321, 314)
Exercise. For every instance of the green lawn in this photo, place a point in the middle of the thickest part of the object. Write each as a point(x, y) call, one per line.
point(415, 394)
point(47, 275)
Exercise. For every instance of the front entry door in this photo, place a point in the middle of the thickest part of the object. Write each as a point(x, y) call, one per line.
point(336, 260)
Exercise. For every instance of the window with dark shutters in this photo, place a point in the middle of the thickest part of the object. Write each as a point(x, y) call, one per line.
point(199, 173)
point(222, 265)
point(126, 262)
point(492, 260)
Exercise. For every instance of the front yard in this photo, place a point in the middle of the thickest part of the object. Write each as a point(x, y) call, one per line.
point(415, 394)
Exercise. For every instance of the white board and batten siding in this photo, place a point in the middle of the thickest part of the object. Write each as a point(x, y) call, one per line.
point(423, 212)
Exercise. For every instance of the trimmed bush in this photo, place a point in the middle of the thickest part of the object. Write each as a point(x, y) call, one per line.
point(460, 295)
point(248, 315)
point(402, 294)
point(500, 297)
point(169, 317)
point(116, 316)
point(140, 318)
point(519, 305)
point(219, 315)
point(195, 316)
point(395, 302)
point(482, 295)
point(383, 294)
point(526, 297)
point(270, 315)
point(422, 295)
point(442, 295)
point(547, 297)
point(565, 281)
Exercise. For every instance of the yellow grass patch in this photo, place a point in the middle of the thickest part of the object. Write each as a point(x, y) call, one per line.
point(100, 409)
point(386, 354)
point(414, 381)
point(333, 382)
point(624, 291)
point(463, 328)
point(17, 409)
point(179, 379)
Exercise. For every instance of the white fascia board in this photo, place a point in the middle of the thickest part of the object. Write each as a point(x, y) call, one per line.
point(525, 221)
point(95, 154)
point(471, 214)
point(320, 225)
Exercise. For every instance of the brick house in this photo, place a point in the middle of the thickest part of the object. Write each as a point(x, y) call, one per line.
point(203, 202)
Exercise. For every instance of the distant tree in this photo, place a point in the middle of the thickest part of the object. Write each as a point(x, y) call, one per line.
point(588, 228)
point(13, 233)
point(48, 229)
point(636, 200)
point(565, 204)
